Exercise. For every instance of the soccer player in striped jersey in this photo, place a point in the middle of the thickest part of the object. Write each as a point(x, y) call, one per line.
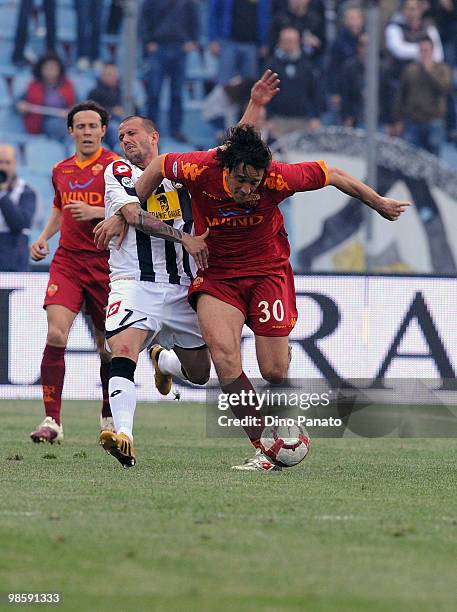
point(151, 272)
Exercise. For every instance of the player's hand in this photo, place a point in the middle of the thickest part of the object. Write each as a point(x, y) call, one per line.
point(391, 209)
point(39, 249)
point(81, 211)
point(265, 88)
point(196, 246)
point(108, 229)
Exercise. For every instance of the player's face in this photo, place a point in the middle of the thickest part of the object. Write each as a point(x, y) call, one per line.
point(243, 181)
point(139, 145)
point(87, 132)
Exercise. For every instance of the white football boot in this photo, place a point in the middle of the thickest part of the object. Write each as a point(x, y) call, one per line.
point(258, 463)
point(48, 432)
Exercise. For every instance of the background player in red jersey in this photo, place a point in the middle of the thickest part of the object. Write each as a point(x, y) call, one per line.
point(79, 270)
point(235, 191)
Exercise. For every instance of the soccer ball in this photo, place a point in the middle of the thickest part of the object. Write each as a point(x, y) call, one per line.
point(286, 446)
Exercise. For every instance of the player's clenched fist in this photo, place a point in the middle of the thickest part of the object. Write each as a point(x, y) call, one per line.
point(196, 246)
point(39, 249)
point(108, 229)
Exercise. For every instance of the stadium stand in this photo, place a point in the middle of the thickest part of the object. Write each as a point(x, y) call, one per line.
point(38, 154)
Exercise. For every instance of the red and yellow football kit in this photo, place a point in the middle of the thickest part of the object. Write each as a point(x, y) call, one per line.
point(79, 272)
point(249, 251)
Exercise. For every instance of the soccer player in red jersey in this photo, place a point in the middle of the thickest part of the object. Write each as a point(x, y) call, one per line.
point(235, 191)
point(79, 270)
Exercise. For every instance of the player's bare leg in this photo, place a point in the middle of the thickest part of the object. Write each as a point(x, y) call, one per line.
point(196, 364)
point(221, 325)
point(192, 365)
point(273, 357)
point(60, 320)
point(106, 418)
point(125, 347)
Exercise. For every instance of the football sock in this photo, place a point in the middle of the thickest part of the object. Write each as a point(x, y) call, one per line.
point(170, 364)
point(52, 376)
point(253, 431)
point(105, 369)
point(122, 394)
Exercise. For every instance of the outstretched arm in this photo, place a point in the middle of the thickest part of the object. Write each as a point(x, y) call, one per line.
point(262, 92)
point(387, 207)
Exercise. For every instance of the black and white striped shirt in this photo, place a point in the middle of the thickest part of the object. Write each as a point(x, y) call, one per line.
point(145, 257)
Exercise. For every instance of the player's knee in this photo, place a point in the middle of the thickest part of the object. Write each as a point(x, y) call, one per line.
point(57, 336)
point(275, 375)
point(225, 358)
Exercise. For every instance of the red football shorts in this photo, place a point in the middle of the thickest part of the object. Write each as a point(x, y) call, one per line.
point(75, 280)
point(267, 302)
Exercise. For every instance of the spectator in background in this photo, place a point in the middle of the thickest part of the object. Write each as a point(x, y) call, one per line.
point(299, 14)
point(48, 97)
point(169, 30)
point(115, 16)
point(222, 106)
point(444, 14)
point(420, 107)
point(107, 92)
point(351, 88)
point(403, 34)
point(22, 29)
point(18, 204)
point(344, 48)
point(295, 105)
point(238, 32)
point(89, 15)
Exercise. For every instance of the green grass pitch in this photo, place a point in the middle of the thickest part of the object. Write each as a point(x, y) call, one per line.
point(361, 524)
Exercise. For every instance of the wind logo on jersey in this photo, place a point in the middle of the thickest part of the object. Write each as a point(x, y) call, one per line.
point(192, 171)
point(165, 206)
point(241, 221)
point(94, 198)
point(277, 182)
point(77, 185)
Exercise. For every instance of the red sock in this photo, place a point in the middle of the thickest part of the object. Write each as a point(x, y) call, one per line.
point(105, 368)
point(253, 431)
point(52, 375)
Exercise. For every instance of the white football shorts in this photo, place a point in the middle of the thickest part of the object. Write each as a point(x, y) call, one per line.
point(160, 308)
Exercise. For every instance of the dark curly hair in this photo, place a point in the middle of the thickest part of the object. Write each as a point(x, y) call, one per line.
point(49, 57)
point(88, 105)
point(243, 145)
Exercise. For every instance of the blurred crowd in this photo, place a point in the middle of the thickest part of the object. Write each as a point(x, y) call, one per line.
point(318, 47)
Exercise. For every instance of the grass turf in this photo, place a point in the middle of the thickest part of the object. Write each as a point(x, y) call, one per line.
point(361, 524)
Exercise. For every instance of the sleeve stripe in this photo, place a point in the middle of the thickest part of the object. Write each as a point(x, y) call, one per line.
point(324, 169)
point(163, 164)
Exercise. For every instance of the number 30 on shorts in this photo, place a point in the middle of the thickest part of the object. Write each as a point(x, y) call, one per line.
point(276, 310)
